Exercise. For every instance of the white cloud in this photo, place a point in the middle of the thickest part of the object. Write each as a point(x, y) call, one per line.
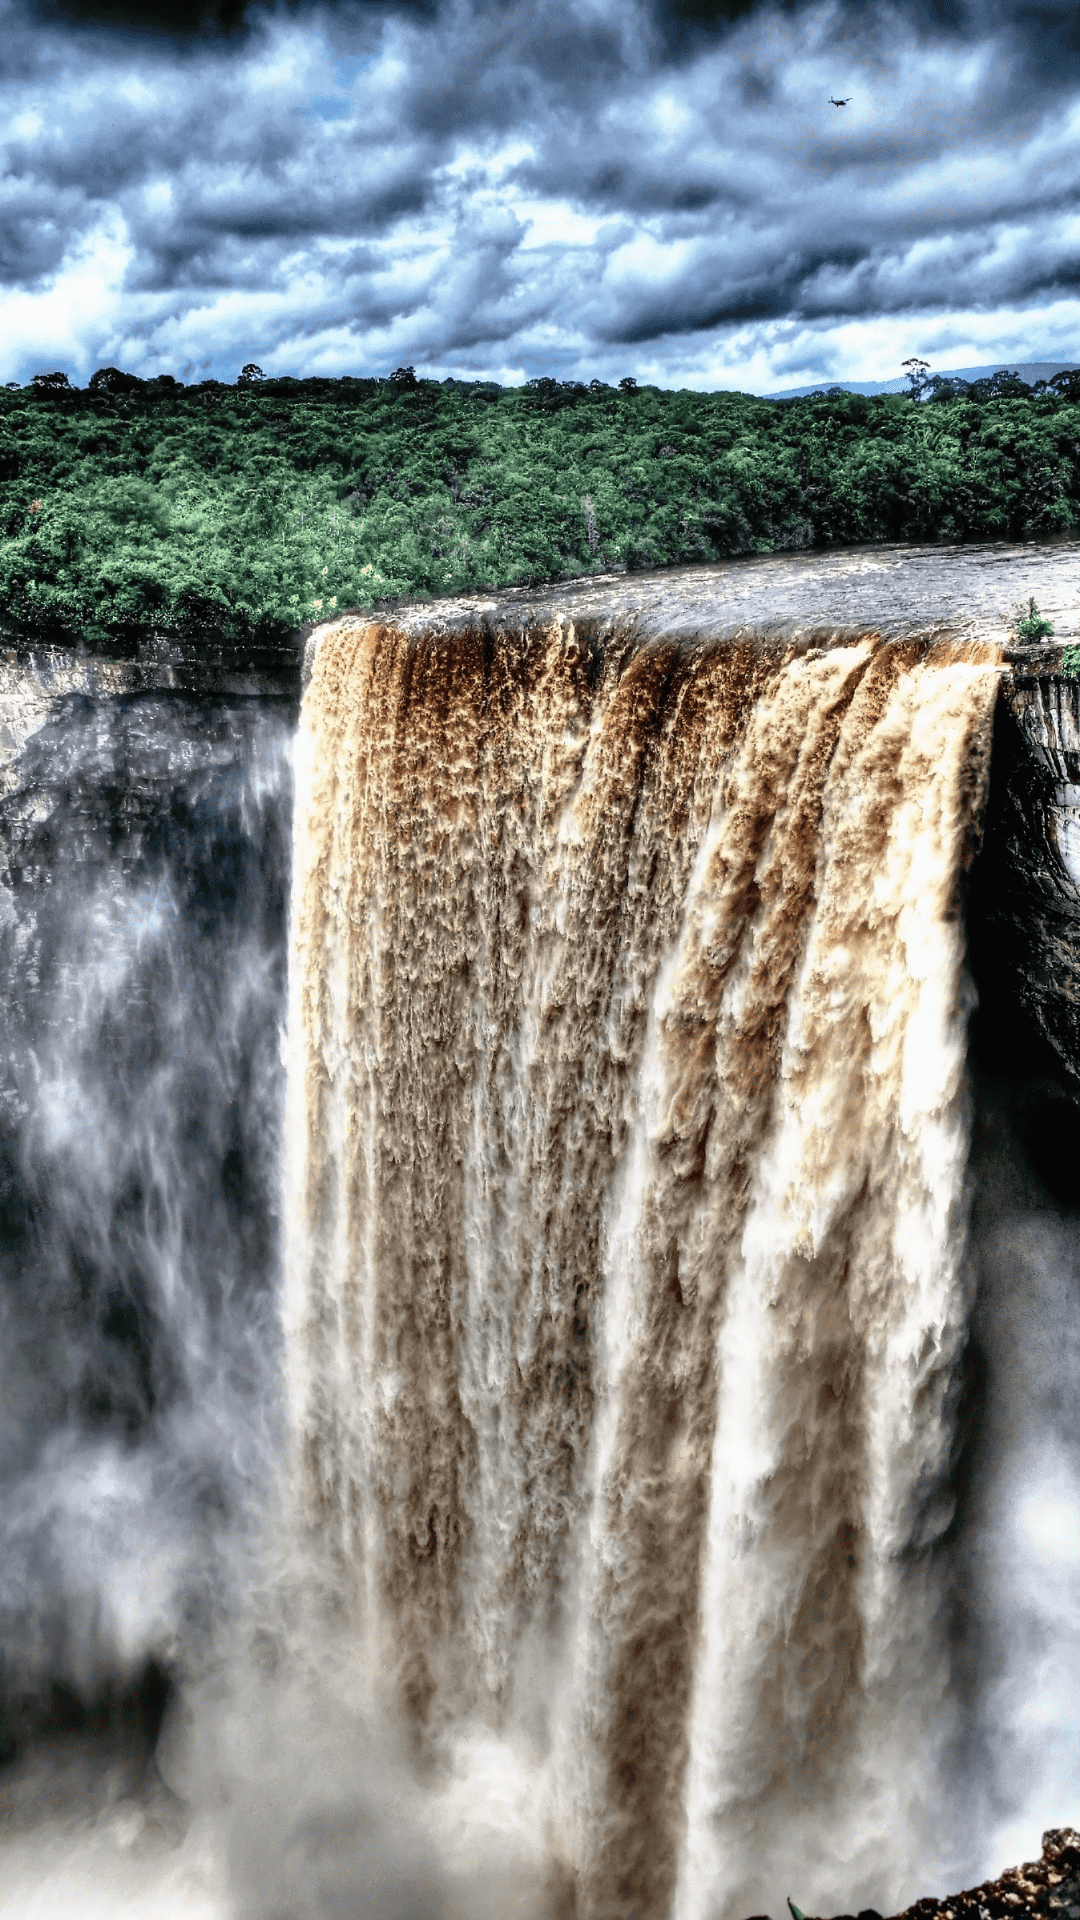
point(53, 326)
point(498, 188)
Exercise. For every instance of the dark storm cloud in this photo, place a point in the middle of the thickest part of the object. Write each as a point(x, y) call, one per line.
point(509, 183)
point(183, 19)
point(35, 224)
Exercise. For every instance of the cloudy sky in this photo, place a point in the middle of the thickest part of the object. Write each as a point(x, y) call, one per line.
point(504, 188)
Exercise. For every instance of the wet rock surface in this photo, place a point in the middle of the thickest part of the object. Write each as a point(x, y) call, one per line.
point(1026, 896)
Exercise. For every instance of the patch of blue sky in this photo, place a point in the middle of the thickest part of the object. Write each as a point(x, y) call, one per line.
point(335, 103)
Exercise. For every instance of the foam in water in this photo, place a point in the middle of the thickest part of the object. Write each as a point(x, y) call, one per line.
point(625, 1238)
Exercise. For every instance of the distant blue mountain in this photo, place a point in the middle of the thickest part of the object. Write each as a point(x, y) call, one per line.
point(1029, 371)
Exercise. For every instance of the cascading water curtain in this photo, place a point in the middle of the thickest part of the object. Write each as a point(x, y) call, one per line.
point(625, 1271)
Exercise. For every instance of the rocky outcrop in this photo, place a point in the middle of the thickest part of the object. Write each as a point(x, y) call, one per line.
point(1049, 1886)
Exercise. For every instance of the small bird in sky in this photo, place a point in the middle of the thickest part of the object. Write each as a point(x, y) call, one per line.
point(839, 103)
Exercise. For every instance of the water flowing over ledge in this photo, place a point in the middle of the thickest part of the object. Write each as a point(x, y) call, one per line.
point(971, 592)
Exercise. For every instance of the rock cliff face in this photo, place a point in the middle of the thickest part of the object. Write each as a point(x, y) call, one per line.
point(1026, 917)
point(144, 833)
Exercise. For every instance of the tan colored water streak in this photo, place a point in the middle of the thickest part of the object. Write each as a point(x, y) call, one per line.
point(600, 953)
point(719, 1030)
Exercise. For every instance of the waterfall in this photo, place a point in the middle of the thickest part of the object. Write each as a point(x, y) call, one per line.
point(625, 1209)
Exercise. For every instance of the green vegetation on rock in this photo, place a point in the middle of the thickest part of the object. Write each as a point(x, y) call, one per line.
point(1032, 626)
point(134, 508)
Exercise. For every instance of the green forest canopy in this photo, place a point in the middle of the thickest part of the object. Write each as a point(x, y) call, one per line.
point(135, 507)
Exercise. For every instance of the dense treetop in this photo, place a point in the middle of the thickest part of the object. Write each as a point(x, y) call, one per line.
point(136, 507)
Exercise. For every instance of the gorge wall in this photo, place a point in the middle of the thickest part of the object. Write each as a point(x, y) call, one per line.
point(1030, 905)
point(144, 842)
point(677, 1327)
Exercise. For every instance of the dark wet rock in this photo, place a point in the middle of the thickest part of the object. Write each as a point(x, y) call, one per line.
point(1026, 894)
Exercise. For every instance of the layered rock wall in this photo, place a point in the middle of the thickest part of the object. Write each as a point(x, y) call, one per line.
point(1026, 908)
